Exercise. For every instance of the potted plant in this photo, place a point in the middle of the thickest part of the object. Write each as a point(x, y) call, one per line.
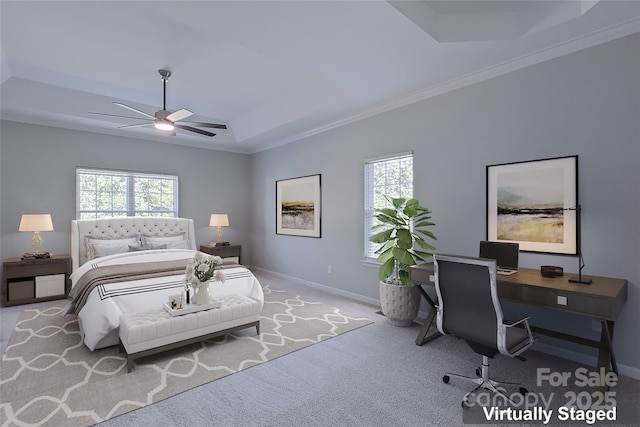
point(401, 230)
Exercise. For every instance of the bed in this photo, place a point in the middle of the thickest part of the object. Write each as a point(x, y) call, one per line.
point(145, 258)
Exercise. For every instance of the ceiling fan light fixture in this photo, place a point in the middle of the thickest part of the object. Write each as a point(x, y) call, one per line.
point(163, 124)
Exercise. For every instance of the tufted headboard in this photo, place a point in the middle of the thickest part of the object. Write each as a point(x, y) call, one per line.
point(129, 226)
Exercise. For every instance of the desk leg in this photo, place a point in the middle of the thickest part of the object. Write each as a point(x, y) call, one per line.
point(423, 338)
point(606, 356)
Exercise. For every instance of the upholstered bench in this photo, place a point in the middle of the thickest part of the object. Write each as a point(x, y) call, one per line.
point(146, 333)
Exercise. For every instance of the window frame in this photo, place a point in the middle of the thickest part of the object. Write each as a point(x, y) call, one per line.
point(130, 194)
point(369, 197)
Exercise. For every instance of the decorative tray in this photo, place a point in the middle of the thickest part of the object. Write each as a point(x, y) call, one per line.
point(190, 308)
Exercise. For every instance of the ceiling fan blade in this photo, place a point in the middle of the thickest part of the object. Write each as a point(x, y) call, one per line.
point(207, 125)
point(134, 110)
point(191, 129)
point(135, 126)
point(179, 115)
point(114, 115)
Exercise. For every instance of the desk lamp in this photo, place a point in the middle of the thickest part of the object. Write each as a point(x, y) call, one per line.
point(219, 220)
point(36, 223)
point(579, 279)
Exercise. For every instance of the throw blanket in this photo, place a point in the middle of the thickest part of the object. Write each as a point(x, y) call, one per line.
point(120, 273)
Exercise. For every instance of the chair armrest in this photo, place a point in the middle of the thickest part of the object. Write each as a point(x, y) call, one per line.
point(511, 323)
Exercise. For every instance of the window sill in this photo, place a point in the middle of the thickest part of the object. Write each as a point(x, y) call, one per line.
point(371, 262)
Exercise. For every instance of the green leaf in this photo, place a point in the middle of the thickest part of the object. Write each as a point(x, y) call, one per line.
point(403, 256)
point(424, 245)
point(386, 269)
point(397, 203)
point(404, 278)
point(424, 223)
point(405, 241)
point(381, 237)
point(385, 255)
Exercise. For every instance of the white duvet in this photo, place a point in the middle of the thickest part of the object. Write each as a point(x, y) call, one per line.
point(99, 319)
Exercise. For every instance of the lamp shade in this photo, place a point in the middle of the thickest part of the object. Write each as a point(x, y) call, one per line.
point(220, 220)
point(36, 222)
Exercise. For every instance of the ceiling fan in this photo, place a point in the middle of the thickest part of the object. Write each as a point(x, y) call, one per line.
point(163, 119)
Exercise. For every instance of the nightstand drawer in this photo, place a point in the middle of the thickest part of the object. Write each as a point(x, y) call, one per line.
point(48, 286)
point(20, 289)
point(225, 252)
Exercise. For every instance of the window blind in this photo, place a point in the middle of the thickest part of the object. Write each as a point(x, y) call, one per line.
point(391, 176)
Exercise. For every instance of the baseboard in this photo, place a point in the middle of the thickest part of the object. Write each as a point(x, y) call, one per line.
point(628, 371)
point(350, 295)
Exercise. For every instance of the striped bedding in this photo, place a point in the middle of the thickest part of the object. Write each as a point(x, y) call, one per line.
point(99, 318)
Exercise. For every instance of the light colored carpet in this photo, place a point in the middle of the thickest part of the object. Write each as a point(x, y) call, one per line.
point(48, 377)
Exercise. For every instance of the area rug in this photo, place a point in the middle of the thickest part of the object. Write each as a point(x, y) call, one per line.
point(48, 377)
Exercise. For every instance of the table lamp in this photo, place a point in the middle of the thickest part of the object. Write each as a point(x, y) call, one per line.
point(219, 220)
point(36, 223)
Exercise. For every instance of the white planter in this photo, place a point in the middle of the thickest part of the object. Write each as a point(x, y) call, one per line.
point(400, 304)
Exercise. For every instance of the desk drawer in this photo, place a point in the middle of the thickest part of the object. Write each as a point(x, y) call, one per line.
point(558, 300)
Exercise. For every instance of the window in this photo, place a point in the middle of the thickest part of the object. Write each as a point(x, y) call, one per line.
point(106, 193)
point(390, 176)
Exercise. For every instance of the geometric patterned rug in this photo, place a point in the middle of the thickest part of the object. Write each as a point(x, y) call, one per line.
point(49, 378)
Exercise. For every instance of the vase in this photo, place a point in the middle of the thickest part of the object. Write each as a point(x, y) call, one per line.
point(202, 295)
point(400, 304)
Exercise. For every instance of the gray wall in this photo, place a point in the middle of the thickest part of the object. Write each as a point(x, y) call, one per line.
point(586, 103)
point(38, 176)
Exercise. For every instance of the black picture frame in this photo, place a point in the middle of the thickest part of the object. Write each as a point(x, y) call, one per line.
point(534, 203)
point(299, 206)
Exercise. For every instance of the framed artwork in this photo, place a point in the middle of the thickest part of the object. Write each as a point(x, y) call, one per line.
point(298, 206)
point(535, 204)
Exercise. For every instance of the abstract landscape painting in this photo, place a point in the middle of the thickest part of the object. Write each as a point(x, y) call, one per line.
point(533, 203)
point(530, 206)
point(298, 206)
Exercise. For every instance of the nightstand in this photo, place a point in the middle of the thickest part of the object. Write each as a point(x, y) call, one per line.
point(35, 280)
point(227, 251)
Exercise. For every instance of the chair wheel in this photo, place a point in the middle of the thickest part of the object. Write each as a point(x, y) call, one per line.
point(478, 372)
point(445, 379)
point(465, 405)
point(523, 391)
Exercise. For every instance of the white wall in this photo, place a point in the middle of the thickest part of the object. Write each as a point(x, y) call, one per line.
point(586, 103)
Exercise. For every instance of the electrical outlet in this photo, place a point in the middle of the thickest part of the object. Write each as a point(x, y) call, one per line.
point(596, 325)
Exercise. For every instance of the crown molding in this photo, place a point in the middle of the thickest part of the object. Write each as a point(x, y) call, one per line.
point(576, 44)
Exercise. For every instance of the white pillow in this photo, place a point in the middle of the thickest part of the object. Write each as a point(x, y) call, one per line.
point(90, 241)
point(163, 239)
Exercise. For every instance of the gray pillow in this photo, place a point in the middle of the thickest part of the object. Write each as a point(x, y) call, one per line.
point(147, 247)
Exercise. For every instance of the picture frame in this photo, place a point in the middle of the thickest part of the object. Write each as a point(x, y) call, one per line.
point(298, 206)
point(534, 203)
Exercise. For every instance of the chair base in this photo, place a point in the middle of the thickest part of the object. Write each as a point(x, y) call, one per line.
point(484, 382)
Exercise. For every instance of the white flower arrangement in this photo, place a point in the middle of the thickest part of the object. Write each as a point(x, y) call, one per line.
point(203, 268)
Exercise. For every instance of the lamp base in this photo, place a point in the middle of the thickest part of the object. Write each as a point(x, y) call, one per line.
point(221, 243)
point(583, 280)
point(36, 255)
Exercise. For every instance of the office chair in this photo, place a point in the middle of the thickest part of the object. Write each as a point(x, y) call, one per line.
point(469, 308)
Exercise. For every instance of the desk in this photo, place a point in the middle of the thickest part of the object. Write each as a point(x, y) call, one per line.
point(603, 300)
